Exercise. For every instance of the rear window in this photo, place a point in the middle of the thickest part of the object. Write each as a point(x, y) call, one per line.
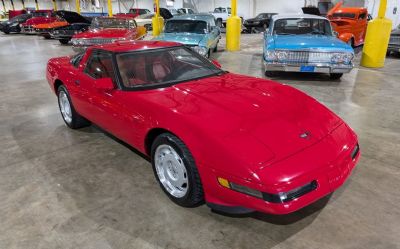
point(344, 15)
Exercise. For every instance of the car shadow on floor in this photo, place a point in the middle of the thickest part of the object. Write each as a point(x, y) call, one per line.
point(286, 219)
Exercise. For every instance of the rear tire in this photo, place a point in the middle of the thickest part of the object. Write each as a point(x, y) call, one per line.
point(170, 154)
point(71, 118)
point(335, 76)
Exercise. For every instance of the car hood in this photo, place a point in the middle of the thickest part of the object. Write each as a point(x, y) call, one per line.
point(242, 109)
point(184, 38)
point(299, 42)
point(103, 33)
point(51, 25)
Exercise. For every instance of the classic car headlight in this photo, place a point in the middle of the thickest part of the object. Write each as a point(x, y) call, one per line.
point(281, 55)
point(345, 58)
point(270, 55)
point(201, 50)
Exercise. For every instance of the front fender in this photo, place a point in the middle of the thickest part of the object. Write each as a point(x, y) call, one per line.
point(346, 37)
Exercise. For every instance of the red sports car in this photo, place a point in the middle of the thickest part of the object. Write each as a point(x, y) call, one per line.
point(107, 30)
point(236, 142)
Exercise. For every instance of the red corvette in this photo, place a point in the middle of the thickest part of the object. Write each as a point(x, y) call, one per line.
point(236, 142)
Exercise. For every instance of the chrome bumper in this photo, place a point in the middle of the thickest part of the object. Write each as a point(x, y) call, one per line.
point(394, 48)
point(28, 30)
point(318, 68)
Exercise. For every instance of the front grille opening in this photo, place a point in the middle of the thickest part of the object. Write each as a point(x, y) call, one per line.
point(355, 151)
point(292, 194)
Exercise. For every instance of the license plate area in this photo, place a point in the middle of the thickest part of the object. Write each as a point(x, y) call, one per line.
point(308, 69)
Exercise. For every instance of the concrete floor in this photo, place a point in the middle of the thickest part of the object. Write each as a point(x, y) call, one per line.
point(61, 188)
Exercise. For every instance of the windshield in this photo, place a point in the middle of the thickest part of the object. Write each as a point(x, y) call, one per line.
point(186, 26)
point(302, 26)
point(263, 16)
point(344, 15)
point(112, 23)
point(163, 66)
point(20, 18)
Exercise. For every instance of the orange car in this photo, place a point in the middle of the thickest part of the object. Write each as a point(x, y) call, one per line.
point(64, 18)
point(350, 23)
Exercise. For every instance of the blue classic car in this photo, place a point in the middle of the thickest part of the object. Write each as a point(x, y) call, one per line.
point(197, 31)
point(305, 43)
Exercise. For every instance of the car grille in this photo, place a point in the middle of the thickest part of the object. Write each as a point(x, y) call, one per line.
point(90, 42)
point(394, 40)
point(27, 29)
point(298, 57)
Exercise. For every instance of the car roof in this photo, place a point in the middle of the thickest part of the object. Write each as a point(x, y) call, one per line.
point(200, 17)
point(288, 16)
point(126, 46)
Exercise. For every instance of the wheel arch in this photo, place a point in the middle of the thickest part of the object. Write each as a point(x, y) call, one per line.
point(151, 135)
point(57, 84)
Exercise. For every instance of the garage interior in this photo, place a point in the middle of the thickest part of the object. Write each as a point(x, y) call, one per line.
point(62, 188)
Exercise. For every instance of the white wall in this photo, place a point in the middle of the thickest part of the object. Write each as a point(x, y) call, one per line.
point(373, 7)
point(43, 4)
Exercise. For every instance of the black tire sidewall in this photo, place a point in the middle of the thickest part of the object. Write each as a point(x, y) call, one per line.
point(187, 158)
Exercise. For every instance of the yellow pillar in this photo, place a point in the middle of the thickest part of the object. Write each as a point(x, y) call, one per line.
point(109, 5)
point(233, 29)
point(23, 4)
point(37, 4)
point(54, 5)
point(377, 39)
point(12, 4)
point(157, 20)
point(78, 6)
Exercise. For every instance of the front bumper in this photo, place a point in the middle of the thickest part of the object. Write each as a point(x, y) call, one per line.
point(318, 67)
point(331, 167)
point(394, 48)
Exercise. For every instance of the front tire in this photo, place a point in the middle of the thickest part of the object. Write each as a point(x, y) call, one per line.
point(335, 76)
point(64, 41)
point(176, 171)
point(71, 118)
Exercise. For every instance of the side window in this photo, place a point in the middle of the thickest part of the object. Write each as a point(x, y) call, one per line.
point(191, 11)
point(100, 66)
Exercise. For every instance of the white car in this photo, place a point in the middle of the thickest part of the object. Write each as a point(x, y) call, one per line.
point(145, 20)
point(221, 14)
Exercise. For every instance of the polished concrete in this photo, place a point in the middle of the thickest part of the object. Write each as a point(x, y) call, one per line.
point(61, 188)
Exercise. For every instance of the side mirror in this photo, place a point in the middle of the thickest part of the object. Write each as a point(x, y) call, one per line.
point(335, 33)
point(216, 63)
point(104, 84)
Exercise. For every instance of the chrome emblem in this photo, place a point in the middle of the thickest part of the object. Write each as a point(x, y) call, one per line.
point(305, 135)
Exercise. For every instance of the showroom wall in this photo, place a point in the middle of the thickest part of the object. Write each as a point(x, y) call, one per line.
point(43, 4)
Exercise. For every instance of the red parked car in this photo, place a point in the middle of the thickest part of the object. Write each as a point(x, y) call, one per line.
point(106, 30)
point(236, 142)
point(27, 27)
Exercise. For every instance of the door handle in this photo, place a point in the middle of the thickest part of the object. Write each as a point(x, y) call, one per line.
point(77, 82)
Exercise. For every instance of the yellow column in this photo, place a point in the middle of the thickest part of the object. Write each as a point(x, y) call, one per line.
point(78, 6)
point(109, 5)
point(233, 29)
point(37, 4)
point(23, 4)
point(54, 5)
point(12, 4)
point(157, 20)
point(377, 39)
